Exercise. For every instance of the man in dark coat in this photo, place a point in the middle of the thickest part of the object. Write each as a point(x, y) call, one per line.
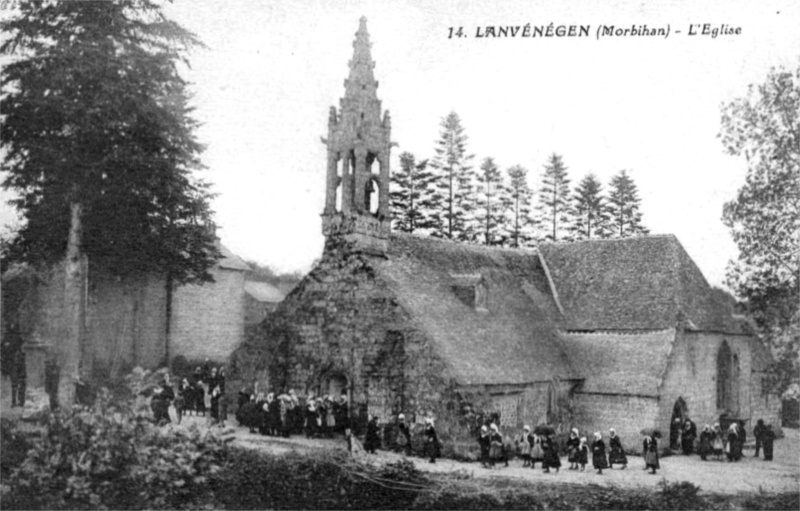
point(688, 436)
point(484, 442)
point(161, 400)
point(767, 440)
point(431, 441)
point(372, 441)
point(758, 432)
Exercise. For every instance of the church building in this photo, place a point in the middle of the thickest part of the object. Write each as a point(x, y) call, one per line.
point(622, 333)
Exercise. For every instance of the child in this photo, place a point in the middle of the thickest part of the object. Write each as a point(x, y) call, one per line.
point(583, 453)
point(524, 446)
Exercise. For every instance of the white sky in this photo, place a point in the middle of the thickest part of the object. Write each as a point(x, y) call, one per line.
point(650, 105)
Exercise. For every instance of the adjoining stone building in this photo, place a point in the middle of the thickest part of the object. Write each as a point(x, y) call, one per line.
point(125, 319)
point(595, 334)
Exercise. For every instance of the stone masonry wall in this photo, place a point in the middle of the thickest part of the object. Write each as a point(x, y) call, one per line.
point(692, 375)
point(343, 321)
point(208, 319)
point(628, 415)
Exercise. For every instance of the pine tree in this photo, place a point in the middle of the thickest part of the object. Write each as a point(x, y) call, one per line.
point(491, 207)
point(590, 215)
point(99, 146)
point(625, 219)
point(518, 197)
point(453, 198)
point(411, 194)
point(554, 200)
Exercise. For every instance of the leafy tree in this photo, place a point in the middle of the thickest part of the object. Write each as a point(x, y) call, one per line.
point(411, 194)
point(554, 201)
point(99, 147)
point(764, 218)
point(490, 204)
point(453, 197)
point(590, 211)
point(518, 197)
point(625, 219)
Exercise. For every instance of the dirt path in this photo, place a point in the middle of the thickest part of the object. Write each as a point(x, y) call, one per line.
point(748, 475)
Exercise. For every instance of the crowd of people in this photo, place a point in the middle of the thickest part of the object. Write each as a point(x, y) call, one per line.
point(539, 446)
point(287, 414)
point(721, 444)
point(202, 393)
point(324, 416)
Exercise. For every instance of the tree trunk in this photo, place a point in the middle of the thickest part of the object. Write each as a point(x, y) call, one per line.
point(74, 307)
point(169, 286)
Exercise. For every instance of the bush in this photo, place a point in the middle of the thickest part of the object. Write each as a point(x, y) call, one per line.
point(324, 480)
point(113, 456)
point(678, 495)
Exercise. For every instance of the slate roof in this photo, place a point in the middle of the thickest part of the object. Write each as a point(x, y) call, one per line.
point(231, 261)
point(263, 292)
point(621, 363)
point(641, 283)
point(514, 341)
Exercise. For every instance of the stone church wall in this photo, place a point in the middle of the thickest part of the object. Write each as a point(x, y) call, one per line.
point(208, 319)
point(628, 415)
point(692, 375)
point(342, 321)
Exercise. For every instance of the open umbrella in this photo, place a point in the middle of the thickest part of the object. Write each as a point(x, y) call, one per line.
point(543, 429)
point(653, 432)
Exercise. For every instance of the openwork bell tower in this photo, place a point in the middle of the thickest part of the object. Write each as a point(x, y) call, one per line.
point(357, 185)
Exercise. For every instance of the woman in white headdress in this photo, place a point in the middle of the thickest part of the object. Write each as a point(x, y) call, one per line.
point(615, 452)
point(524, 441)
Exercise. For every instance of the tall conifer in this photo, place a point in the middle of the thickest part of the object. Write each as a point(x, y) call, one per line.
point(453, 197)
point(590, 213)
point(623, 207)
point(410, 194)
point(554, 199)
point(491, 206)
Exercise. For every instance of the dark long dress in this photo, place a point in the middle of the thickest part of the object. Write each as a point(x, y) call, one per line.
point(373, 440)
point(734, 447)
point(650, 452)
point(767, 441)
point(583, 454)
point(404, 437)
point(599, 460)
point(485, 441)
point(704, 449)
point(687, 439)
point(551, 459)
point(572, 449)
point(615, 452)
point(431, 443)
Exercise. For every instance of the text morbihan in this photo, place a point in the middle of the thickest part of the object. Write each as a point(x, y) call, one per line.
point(633, 30)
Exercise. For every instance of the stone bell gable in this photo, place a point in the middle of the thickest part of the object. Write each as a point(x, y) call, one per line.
point(359, 147)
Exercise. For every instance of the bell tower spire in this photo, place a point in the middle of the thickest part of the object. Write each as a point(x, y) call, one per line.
point(359, 147)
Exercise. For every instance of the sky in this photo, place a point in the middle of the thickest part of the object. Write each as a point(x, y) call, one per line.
point(651, 105)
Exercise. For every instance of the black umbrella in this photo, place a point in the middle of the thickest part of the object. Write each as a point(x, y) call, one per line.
point(653, 432)
point(543, 429)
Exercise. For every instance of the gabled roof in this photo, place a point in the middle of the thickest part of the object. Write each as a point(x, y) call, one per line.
point(263, 292)
point(514, 340)
point(621, 363)
point(640, 283)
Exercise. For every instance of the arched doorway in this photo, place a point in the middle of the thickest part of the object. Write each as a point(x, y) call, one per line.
point(679, 413)
point(335, 385)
